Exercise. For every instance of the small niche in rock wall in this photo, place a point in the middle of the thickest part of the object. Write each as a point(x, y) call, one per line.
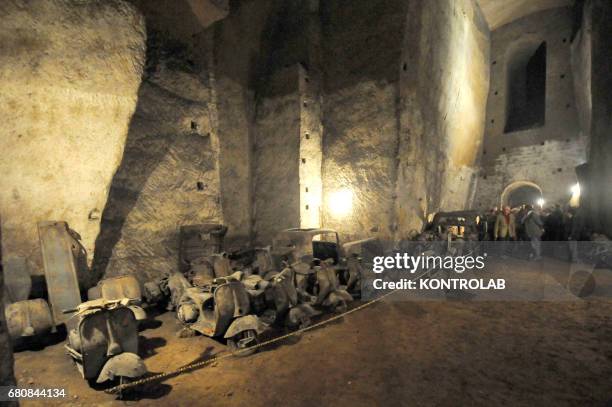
point(303, 161)
point(94, 214)
point(200, 186)
point(307, 135)
point(194, 125)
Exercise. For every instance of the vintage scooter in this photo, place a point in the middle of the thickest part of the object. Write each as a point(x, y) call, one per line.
point(323, 283)
point(103, 340)
point(117, 288)
point(282, 304)
point(221, 309)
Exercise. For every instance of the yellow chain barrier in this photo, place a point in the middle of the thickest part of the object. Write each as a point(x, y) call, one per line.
point(224, 355)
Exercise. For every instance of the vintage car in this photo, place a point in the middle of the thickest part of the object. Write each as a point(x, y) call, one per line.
point(464, 225)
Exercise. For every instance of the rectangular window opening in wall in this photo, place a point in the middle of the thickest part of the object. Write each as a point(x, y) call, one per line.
point(526, 88)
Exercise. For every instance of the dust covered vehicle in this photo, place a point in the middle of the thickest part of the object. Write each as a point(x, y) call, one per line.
point(103, 340)
point(314, 252)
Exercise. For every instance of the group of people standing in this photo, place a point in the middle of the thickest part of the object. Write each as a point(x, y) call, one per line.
point(529, 223)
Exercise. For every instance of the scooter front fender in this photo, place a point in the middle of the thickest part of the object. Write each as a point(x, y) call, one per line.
point(123, 365)
point(248, 322)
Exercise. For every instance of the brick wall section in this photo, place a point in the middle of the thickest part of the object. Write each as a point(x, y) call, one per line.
point(539, 164)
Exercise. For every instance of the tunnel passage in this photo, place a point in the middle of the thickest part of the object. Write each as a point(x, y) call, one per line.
point(525, 195)
point(521, 193)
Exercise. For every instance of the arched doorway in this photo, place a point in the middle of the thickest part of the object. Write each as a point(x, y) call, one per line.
point(521, 193)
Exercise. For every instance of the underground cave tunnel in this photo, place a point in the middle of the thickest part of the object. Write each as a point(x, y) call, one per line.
point(184, 180)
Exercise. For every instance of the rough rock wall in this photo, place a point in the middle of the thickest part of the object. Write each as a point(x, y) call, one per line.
point(287, 158)
point(237, 56)
point(188, 154)
point(361, 61)
point(443, 89)
point(402, 122)
point(581, 72)
point(311, 150)
point(69, 73)
point(276, 167)
point(169, 175)
point(558, 141)
point(600, 205)
point(182, 19)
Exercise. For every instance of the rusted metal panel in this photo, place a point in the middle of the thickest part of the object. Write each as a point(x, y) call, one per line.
point(200, 241)
point(57, 247)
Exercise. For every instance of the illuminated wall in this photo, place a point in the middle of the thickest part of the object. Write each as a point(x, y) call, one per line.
point(405, 86)
point(311, 154)
point(543, 154)
point(69, 74)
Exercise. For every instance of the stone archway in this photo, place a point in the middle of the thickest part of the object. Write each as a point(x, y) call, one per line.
point(515, 187)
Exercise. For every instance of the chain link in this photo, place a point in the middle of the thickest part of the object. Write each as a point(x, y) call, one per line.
point(224, 355)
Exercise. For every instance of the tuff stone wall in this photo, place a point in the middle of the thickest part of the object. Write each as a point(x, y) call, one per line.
point(360, 113)
point(553, 149)
point(581, 72)
point(238, 48)
point(169, 174)
point(69, 73)
point(311, 152)
point(443, 90)
point(189, 152)
point(600, 164)
point(276, 174)
point(402, 122)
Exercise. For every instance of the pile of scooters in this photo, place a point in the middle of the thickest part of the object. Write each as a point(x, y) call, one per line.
point(102, 332)
point(236, 296)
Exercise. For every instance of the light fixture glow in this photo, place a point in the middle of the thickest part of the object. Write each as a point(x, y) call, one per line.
point(575, 199)
point(541, 202)
point(341, 202)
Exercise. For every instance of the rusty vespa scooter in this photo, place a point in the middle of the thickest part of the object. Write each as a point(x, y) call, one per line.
point(221, 308)
point(103, 340)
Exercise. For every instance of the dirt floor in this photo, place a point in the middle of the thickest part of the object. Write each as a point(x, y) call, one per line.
point(393, 353)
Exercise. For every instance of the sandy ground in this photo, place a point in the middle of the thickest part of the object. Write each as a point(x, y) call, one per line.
point(393, 353)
